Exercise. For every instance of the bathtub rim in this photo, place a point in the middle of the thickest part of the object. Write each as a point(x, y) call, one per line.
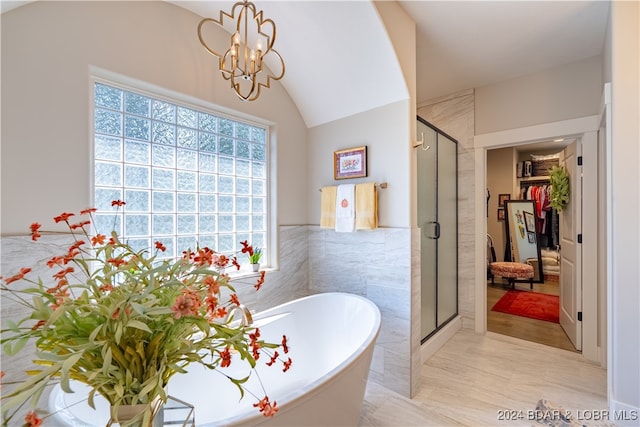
point(302, 394)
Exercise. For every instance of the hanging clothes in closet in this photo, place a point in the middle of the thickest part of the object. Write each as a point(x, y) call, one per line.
point(547, 224)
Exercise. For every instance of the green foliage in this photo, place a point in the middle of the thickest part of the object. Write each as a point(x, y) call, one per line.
point(254, 258)
point(124, 322)
point(560, 189)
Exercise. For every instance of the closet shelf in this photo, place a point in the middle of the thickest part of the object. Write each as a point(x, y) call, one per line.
point(540, 178)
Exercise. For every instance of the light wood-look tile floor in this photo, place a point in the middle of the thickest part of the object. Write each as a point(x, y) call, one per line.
point(474, 377)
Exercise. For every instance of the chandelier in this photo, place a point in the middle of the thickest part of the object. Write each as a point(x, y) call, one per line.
point(251, 42)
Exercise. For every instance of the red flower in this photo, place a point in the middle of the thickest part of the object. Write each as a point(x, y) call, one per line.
point(71, 255)
point(226, 357)
point(212, 303)
point(116, 262)
point(186, 304)
point(268, 409)
point(160, 246)
point(260, 281)
point(273, 359)
point(221, 261)
point(56, 260)
point(18, 276)
point(246, 248)
point(63, 217)
point(58, 287)
point(234, 299)
point(98, 239)
point(32, 420)
point(204, 257)
point(287, 365)
point(87, 211)
point(285, 348)
point(118, 203)
point(106, 287)
point(76, 245)
point(60, 274)
point(38, 325)
point(255, 345)
point(212, 283)
point(35, 234)
point(79, 225)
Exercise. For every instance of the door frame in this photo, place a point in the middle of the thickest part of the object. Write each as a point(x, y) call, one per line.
point(582, 127)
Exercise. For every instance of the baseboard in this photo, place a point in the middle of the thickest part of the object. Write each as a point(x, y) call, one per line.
point(440, 338)
point(623, 415)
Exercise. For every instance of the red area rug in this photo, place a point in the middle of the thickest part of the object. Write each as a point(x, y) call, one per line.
point(530, 304)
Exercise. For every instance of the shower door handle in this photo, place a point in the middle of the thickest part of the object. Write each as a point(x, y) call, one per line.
point(436, 230)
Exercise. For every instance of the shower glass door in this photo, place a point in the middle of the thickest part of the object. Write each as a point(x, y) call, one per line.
point(427, 221)
point(448, 220)
point(437, 219)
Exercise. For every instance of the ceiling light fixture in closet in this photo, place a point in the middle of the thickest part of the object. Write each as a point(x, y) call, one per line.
point(251, 42)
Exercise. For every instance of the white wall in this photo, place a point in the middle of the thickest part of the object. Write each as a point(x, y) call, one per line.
point(47, 51)
point(385, 132)
point(625, 291)
point(566, 92)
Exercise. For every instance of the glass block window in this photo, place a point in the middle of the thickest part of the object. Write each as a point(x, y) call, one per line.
point(189, 177)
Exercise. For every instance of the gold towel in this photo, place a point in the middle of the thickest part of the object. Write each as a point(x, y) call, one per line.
point(328, 207)
point(366, 206)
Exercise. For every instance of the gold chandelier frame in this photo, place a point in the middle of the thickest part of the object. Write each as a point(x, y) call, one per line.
point(243, 62)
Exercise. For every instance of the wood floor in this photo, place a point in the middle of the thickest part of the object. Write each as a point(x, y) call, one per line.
point(539, 331)
point(482, 379)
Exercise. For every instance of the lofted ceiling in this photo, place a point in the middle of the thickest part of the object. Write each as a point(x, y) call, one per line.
point(339, 60)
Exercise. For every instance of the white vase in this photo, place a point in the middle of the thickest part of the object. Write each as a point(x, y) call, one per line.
point(256, 266)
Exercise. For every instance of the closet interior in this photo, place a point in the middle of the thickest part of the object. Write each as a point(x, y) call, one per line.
point(522, 173)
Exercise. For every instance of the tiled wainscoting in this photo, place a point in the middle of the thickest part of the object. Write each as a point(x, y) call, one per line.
point(375, 264)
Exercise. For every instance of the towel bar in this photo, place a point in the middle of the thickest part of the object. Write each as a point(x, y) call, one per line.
point(381, 185)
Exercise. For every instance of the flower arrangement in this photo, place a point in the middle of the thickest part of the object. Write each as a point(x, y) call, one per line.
point(124, 321)
point(253, 254)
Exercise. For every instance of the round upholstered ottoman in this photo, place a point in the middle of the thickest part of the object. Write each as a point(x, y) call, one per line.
point(512, 271)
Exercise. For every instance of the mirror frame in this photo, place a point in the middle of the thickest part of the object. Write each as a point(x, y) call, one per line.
point(510, 225)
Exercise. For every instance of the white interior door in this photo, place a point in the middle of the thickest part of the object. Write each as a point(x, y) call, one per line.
point(570, 249)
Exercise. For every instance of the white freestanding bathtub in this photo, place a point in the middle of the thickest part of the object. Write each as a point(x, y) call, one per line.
point(331, 337)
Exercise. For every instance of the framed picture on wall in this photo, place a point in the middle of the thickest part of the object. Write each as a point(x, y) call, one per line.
point(503, 198)
point(531, 237)
point(350, 163)
point(500, 214)
point(530, 222)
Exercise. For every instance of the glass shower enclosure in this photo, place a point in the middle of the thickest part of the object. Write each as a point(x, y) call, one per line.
point(437, 186)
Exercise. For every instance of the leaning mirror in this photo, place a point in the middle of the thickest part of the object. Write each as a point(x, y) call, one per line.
point(522, 239)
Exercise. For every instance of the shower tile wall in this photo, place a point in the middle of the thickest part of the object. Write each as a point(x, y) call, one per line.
point(377, 265)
